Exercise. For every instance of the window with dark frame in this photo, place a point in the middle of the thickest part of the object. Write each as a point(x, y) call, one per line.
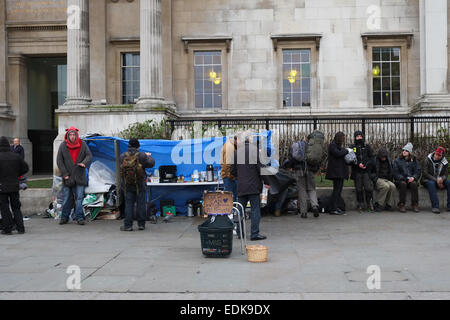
point(130, 77)
point(297, 78)
point(208, 79)
point(386, 70)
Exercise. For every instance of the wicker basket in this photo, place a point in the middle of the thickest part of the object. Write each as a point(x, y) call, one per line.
point(257, 253)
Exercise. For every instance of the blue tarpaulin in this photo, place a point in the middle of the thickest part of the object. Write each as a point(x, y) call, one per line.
point(187, 155)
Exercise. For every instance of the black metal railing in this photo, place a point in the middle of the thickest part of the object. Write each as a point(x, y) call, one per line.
point(401, 129)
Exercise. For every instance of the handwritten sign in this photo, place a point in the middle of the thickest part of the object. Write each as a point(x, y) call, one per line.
point(217, 202)
point(35, 10)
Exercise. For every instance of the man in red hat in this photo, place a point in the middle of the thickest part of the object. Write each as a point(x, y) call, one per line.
point(73, 158)
point(435, 176)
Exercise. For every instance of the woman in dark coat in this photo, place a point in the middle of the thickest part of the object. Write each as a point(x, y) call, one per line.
point(337, 170)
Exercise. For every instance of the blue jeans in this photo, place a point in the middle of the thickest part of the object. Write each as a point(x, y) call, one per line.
point(432, 190)
point(231, 186)
point(255, 202)
point(68, 194)
point(132, 198)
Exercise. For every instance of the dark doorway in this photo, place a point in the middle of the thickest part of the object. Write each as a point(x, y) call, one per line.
point(47, 89)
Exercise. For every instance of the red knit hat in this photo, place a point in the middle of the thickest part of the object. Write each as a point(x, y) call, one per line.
point(440, 151)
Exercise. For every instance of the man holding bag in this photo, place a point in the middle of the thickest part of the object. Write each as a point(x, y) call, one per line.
point(73, 159)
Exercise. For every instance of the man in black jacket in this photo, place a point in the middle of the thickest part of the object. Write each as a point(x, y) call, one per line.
point(73, 159)
point(337, 170)
point(360, 172)
point(435, 176)
point(17, 148)
point(247, 169)
point(134, 193)
point(12, 166)
point(385, 188)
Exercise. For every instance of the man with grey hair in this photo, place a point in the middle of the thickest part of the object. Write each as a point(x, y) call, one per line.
point(17, 148)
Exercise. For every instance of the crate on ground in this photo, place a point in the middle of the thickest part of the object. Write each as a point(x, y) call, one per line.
point(216, 236)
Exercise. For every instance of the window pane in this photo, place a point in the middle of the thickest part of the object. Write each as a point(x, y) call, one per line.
point(377, 84)
point(198, 86)
point(386, 69)
point(208, 86)
point(305, 56)
point(296, 57)
point(305, 71)
point(127, 59)
point(386, 54)
point(198, 59)
point(396, 98)
point(287, 100)
point(217, 100)
point(208, 101)
point(386, 82)
point(208, 60)
point(287, 57)
point(297, 99)
point(395, 68)
point(199, 101)
point(396, 83)
point(127, 74)
point(306, 85)
point(395, 56)
point(136, 60)
point(217, 59)
point(306, 97)
point(376, 54)
point(386, 98)
point(377, 98)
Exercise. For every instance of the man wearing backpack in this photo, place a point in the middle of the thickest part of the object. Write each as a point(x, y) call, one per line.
point(133, 178)
point(306, 157)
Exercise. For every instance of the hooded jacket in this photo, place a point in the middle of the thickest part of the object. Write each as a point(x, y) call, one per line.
point(389, 175)
point(12, 166)
point(432, 172)
point(67, 166)
point(406, 168)
point(364, 154)
point(337, 168)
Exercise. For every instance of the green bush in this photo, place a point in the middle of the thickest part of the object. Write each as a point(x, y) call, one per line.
point(149, 129)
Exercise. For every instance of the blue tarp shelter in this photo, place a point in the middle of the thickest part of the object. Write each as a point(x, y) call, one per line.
point(187, 155)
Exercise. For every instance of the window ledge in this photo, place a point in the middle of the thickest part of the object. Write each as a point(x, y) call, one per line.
point(366, 36)
point(207, 39)
point(296, 37)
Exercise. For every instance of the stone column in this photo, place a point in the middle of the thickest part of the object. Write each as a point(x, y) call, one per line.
point(433, 47)
point(78, 75)
point(4, 106)
point(151, 85)
point(18, 97)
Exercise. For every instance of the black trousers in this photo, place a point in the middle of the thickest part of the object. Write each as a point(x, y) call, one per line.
point(363, 186)
point(403, 186)
point(338, 185)
point(13, 199)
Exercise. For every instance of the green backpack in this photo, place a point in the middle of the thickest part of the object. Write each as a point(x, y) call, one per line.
point(131, 169)
point(315, 151)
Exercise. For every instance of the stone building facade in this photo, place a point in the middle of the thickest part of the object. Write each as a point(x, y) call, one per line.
point(103, 64)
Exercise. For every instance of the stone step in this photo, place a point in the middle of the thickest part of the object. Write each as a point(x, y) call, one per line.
point(36, 201)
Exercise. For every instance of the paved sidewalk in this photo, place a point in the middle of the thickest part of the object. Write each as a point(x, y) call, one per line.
point(325, 258)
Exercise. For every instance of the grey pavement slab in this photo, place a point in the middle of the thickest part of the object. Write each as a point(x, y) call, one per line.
point(324, 258)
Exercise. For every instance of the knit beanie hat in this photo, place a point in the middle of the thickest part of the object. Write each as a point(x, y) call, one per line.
point(408, 147)
point(440, 151)
point(134, 143)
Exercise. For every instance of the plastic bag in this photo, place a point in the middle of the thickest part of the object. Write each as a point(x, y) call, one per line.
point(265, 194)
point(100, 178)
point(350, 158)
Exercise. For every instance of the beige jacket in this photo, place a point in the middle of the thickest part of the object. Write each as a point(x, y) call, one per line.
point(226, 159)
